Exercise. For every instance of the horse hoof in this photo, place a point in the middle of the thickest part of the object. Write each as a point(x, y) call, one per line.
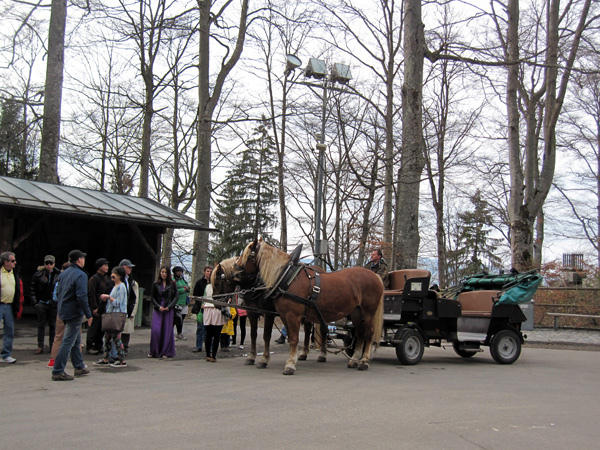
point(352, 364)
point(321, 359)
point(302, 358)
point(261, 365)
point(363, 366)
point(249, 362)
point(289, 371)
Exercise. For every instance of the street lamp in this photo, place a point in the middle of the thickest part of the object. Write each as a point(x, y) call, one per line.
point(316, 68)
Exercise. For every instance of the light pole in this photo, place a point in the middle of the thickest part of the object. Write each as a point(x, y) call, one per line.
point(340, 73)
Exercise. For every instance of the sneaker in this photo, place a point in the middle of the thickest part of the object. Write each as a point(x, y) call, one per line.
point(8, 360)
point(50, 363)
point(119, 364)
point(39, 351)
point(197, 350)
point(280, 340)
point(92, 351)
point(181, 337)
point(241, 347)
point(102, 362)
point(80, 372)
point(62, 377)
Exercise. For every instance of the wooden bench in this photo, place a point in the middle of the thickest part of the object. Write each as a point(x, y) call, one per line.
point(558, 315)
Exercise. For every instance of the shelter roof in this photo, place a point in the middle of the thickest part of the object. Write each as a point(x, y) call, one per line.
point(68, 200)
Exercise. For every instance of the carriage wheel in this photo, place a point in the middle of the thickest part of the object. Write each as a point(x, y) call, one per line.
point(461, 352)
point(505, 347)
point(410, 350)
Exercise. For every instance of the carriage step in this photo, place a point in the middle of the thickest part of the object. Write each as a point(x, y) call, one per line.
point(470, 348)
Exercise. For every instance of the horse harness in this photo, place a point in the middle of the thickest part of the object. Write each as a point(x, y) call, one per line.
point(288, 275)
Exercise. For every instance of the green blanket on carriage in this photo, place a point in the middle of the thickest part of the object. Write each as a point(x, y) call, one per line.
point(522, 292)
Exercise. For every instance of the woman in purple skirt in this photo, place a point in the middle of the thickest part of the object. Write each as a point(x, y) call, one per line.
point(164, 298)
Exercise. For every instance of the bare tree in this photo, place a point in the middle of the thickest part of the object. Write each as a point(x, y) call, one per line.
point(53, 92)
point(208, 99)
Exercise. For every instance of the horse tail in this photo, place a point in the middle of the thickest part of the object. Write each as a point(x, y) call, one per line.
point(378, 322)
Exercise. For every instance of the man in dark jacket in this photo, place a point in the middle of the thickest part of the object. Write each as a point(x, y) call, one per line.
point(378, 265)
point(42, 288)
point(11, 306)
point(96, 287)
point(132, 288)
point(72, 305)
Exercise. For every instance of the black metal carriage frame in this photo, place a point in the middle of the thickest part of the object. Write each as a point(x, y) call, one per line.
point(416, 317)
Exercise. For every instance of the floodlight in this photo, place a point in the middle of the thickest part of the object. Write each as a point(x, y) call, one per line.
point(292, 62)
point(316, 69)
point(341, 73)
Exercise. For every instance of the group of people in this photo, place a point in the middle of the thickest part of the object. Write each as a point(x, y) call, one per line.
point(61, 299)
point(215, 326)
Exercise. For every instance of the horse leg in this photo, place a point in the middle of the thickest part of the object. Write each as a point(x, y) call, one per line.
point(359, 333)
point(306, 348)
point(251, 358)
point(293, 327)
point(368, 344)
point(321, 342)
point(266, 357)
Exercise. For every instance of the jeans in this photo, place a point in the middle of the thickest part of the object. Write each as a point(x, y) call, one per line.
point(200, 335)
point(70, 345)
point(6, 313)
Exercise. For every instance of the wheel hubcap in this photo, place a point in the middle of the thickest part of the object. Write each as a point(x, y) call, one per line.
point(507, 347)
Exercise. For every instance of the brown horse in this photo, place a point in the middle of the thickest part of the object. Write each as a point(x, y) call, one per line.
point(354, 292)
point(223, 283)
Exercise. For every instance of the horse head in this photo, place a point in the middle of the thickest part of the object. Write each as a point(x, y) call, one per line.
point(246, 266)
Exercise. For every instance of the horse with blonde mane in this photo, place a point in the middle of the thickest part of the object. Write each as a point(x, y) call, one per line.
point(355, 292)
point(223, 282)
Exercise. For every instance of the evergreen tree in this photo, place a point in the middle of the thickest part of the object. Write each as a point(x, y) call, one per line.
point(475, 252)
point(14, 160)
point(249, 196)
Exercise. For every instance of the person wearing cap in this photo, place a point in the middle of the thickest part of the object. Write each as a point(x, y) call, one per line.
point(181, 308)
point(96, 287)
point(11, 304)
point(71, 292)
point(133, 291)
point(41, 290)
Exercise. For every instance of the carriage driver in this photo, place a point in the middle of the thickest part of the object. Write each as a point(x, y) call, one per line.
point(378, 265)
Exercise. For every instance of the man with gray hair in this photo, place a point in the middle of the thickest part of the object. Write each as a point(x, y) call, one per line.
point(11, 305)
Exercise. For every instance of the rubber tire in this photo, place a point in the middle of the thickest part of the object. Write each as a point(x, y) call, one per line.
point(410, 351)
point(462, 353)
point(505, 347)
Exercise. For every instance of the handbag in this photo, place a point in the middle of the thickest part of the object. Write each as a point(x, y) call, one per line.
point(113, 322)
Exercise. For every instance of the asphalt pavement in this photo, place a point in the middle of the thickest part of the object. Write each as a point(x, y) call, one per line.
point(547, 399)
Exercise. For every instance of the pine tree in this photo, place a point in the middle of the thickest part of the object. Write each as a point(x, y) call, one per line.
point(249, 196)
point(14, 160)
point(475, 251)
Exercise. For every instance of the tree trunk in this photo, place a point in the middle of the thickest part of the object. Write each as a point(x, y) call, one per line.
point(207, 103)
point(53, 92)
point(412, 160)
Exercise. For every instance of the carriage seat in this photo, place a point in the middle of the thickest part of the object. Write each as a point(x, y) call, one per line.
point(477, 303)
point(397, 278)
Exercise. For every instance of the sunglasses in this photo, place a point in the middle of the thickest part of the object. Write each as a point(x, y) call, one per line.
point(12, 260)
point(48, 262)
point(113, 276)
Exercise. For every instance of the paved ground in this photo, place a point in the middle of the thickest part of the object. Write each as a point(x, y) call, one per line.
point(548, 399)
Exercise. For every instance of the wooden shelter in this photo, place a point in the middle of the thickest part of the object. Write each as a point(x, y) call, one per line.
point(38, 219)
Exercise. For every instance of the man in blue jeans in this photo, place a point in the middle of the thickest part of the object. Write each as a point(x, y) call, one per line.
point(11, 295)
point(72, 305)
